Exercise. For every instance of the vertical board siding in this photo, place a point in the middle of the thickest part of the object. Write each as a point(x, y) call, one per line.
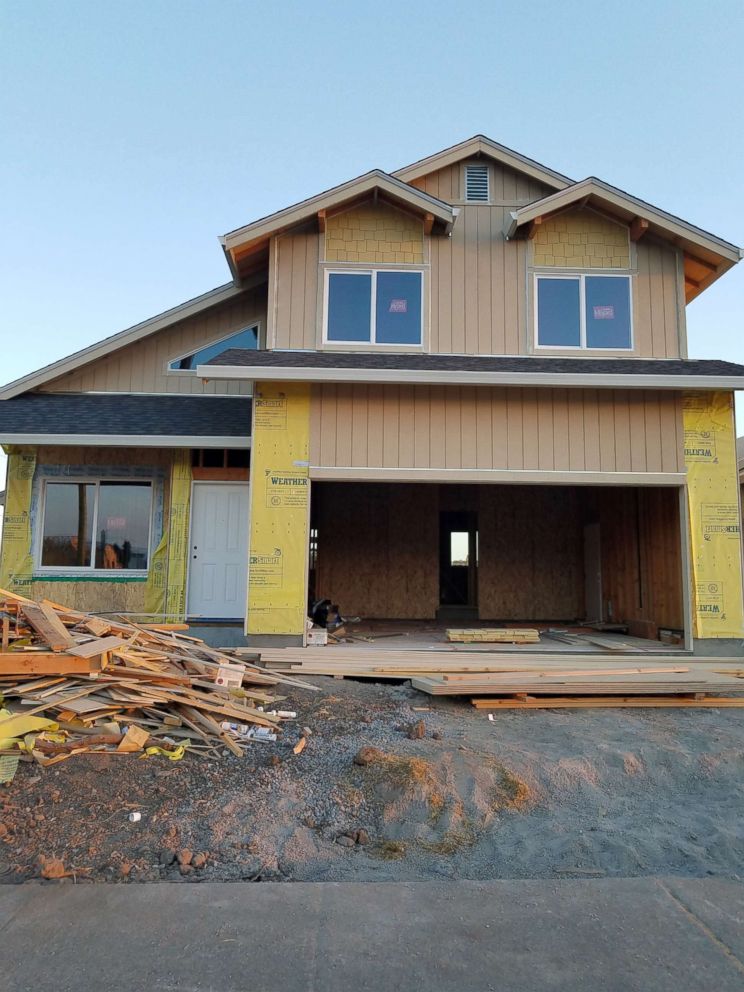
point(293, 291)
point(470, 427)
point(141, 367)
point(480, 286)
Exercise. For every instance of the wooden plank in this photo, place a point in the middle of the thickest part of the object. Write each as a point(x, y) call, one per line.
point(48, 626)
point(101, 645)
point(46, 663)
point(605, 702)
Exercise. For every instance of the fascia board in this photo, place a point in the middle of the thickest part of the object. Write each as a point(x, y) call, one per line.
point(587, 380)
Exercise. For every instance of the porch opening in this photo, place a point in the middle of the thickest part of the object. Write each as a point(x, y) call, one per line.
point(477, 554)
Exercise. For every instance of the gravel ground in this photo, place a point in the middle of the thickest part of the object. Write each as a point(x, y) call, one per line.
point(536, 794)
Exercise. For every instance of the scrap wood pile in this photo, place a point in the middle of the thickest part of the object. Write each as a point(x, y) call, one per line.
point(74, 683)
point(497, 680)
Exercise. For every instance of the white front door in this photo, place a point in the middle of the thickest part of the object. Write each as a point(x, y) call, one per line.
point(218, 552)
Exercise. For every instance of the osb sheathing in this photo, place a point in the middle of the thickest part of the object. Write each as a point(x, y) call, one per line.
point(378, 549)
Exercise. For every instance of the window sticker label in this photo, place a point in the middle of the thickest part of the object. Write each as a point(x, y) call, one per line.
point(604, 313)
point(398, 306)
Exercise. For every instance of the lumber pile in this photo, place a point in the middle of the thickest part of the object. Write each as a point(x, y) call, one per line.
point(73, 683)
point(494, 635)
point(499, 680)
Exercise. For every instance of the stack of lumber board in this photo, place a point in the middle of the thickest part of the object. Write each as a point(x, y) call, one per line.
point(494, 635)
point(501, 680)
point(79, 683)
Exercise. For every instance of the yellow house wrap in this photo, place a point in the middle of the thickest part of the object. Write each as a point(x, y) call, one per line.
point(165, 593)
point(715, 531)
point(279, 508)
point(17, 556)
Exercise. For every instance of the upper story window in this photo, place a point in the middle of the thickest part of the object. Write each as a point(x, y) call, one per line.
point(247, 338)
point(91, 525)
point(583, 311)
point(381, 306)
point(477, 184)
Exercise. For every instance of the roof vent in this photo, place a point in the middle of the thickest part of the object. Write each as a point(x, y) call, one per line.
point(476, 183)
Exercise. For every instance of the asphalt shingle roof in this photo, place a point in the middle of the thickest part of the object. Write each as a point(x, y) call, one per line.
point(476, 363)
point(118, 413)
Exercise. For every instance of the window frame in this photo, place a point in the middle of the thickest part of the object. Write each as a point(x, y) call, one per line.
point(208, 344)
point(581, 277)
point(76, 570)
point(372, 271)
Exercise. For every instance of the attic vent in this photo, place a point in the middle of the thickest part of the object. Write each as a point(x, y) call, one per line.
point(476, 183)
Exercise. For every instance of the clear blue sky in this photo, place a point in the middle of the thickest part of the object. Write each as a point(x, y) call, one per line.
point(133, 133)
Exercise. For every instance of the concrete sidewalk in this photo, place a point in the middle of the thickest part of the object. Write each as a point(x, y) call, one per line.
point(603, 935)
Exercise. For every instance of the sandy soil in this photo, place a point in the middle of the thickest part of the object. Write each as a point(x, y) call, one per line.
point(532, 795)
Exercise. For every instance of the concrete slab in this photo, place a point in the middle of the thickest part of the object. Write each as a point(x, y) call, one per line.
point(617, 935)
point(717, 906)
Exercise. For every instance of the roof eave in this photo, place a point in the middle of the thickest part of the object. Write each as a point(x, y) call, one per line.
point(131, 440)
point(479, 144)
point(306, 209)
point(472, 378)
point(675, 227)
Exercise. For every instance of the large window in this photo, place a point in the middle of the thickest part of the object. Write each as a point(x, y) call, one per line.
point(246, 339)
point(96, 525)
point(378, 307)
point(583, 311)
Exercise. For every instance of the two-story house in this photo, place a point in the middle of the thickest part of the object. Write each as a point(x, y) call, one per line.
point(457, 390)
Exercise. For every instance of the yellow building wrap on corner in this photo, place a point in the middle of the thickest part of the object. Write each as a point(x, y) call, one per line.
point(715, 522)
point(280, 505)
point(17, 565)
point(165, 592)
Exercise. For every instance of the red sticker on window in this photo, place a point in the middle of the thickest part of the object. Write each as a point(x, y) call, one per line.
point(398, 306)
point(604, 313)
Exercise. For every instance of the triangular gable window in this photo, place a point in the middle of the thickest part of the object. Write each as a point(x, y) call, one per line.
point(247, 339)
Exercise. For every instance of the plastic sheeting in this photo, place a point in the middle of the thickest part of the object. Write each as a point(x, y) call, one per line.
point(280, 491)
point(715, 521)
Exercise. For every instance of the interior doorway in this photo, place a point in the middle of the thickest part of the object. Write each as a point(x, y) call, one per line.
point(458, 563)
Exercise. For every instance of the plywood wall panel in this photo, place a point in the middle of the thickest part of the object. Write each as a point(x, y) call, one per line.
point(378, 548)
point(531, 564)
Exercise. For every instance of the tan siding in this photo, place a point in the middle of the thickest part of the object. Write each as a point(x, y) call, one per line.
point(293, 291)
point(141, 367)
point(496, 428)
point(479, 292)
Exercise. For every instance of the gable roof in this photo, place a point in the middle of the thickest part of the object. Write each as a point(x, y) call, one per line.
point(707, 256)
point(119, 340)
point(479, 144)
point(247, 245)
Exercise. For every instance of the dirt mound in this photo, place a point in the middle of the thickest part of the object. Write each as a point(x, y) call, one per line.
point(440, 804)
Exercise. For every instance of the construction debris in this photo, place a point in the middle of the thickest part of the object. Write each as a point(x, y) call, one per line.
point(72, 683)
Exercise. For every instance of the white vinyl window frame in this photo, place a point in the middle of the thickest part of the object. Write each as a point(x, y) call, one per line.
point(208, 344)
point(373, 272)
point(581, 278)
point(73, 570)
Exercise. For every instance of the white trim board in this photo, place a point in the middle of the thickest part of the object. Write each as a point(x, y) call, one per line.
point(320, 473)
point(128, 440)
point(458, 377)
